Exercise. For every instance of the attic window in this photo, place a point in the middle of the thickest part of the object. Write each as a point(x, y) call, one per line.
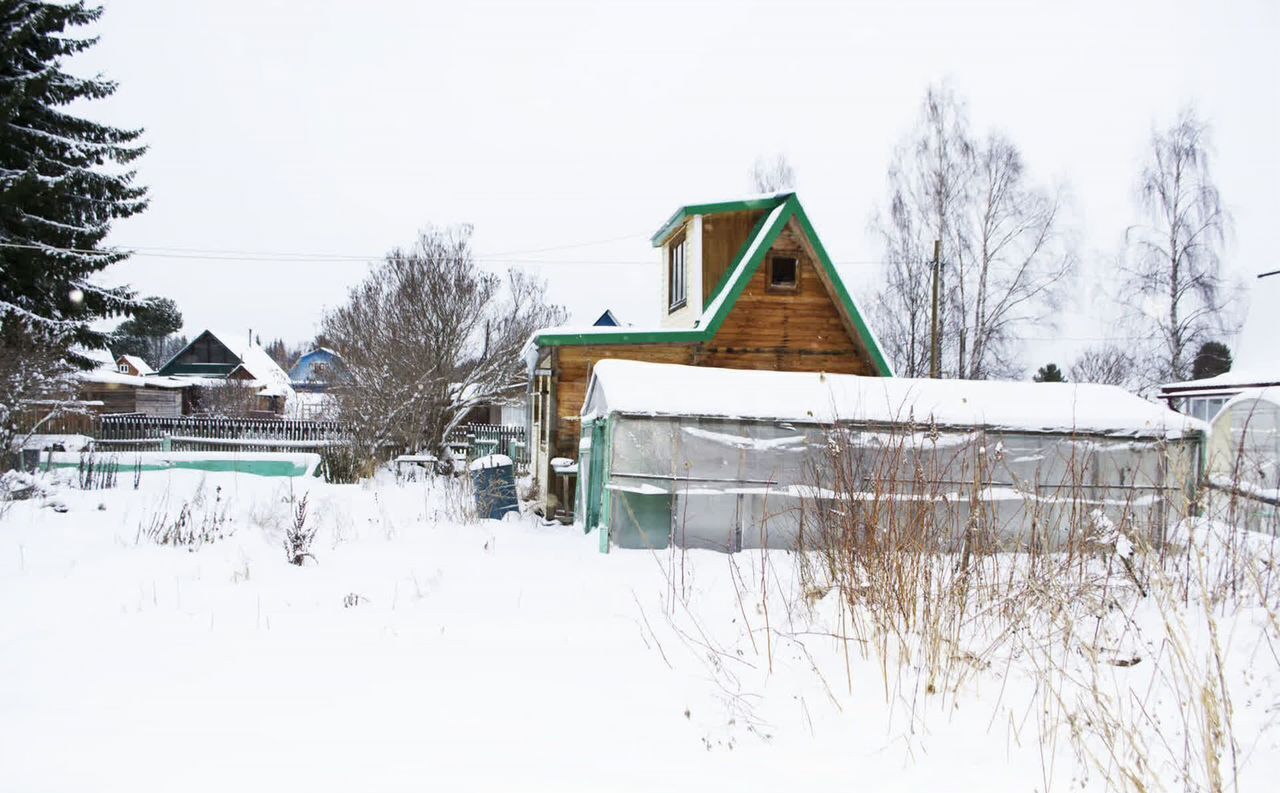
point(677, 274)
point(783, 272)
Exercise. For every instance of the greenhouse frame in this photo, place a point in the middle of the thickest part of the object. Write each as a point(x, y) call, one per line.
point(1244, 457)
point(697, 457)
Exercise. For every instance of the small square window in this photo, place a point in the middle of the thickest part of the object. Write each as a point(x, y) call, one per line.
point(783, 271)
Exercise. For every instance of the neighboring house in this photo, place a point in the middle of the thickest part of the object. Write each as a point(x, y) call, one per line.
point(134, 365)
point(315, 370)
point(1203, 398)
point(743, 285)
point(130, 393)
point(117, 385)
point(211, 358)
point(512, 411)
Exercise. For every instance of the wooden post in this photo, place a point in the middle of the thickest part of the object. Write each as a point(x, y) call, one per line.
point(935, 368)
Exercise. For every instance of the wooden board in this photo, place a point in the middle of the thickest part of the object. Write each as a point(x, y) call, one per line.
point(722, 238)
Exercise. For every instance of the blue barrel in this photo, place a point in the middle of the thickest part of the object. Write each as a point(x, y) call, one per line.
point(493, 478)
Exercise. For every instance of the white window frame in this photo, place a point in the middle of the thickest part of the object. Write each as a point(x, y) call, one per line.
point(677, 275)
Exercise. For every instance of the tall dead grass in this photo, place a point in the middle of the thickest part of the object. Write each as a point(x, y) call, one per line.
point(1117, 620)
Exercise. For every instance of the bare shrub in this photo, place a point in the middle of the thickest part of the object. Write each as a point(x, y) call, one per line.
point(97, 473)
point(426, 337)
point(194, 525)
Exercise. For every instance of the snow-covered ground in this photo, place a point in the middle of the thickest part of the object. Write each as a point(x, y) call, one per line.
point(421, 649)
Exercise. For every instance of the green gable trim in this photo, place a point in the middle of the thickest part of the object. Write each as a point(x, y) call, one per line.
point(842, 294)
point(210, 369)
point(736, 280)
point(685, 212)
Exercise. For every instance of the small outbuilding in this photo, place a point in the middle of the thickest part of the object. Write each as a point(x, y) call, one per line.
point(703, 457)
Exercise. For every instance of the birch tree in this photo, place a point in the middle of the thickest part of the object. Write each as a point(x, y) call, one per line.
point(1174, 259)
point(772, 174)
point(1010, 263)
point(1005, 255)
point(929, 180)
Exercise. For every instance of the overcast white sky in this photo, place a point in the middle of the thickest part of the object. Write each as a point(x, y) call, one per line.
point(343, 127)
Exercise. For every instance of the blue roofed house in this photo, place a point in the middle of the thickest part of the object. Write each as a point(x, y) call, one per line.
point(312, 376)
point(315, 370)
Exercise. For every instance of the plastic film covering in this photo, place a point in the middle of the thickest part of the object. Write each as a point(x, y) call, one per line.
point(728, 485)
point(1244, 460)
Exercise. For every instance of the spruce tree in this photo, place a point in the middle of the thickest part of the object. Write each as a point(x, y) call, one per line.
point(63, 180)
point(1213, 358)
point(1049, 373)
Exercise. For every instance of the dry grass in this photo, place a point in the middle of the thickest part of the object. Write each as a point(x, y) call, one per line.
point(1125, 619)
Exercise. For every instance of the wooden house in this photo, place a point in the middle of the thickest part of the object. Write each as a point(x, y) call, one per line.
point(113, 391)
point(743, 285)
point(212, 360)
point(134, 365)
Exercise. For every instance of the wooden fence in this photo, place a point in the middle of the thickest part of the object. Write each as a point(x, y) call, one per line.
point(508, 439)
point(138, 432)
point(196, 433)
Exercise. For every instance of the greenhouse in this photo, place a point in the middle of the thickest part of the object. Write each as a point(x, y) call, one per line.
point(1244, 456)
point(696, 457)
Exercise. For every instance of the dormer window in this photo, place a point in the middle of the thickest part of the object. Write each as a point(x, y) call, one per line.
point(677, 274)
point(124, 368)
point(784, 272)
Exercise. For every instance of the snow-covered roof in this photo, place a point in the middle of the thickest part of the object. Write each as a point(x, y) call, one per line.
point(253, 357)
point(101, 357)
point(636, 387)
point(110, 375)
point(1236, 378)
point(137, 363)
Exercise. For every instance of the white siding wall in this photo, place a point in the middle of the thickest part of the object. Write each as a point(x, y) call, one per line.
point(687, 316)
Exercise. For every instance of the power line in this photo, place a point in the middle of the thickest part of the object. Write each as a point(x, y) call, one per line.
point(213, 254)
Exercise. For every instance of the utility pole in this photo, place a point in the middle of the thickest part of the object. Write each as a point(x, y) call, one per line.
point(935, 368)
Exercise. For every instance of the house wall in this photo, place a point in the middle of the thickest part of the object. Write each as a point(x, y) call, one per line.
point(115, 397)
point(722, 238)
point(688, 315)
point(165, 402)
point(791, 331)
point(122, 398)
point(205, 355)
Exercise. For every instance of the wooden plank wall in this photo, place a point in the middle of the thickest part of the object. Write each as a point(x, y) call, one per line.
point(574, 374)
point(722, 237)
point(159, 402)
point(115, 397)
point(790, 331)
